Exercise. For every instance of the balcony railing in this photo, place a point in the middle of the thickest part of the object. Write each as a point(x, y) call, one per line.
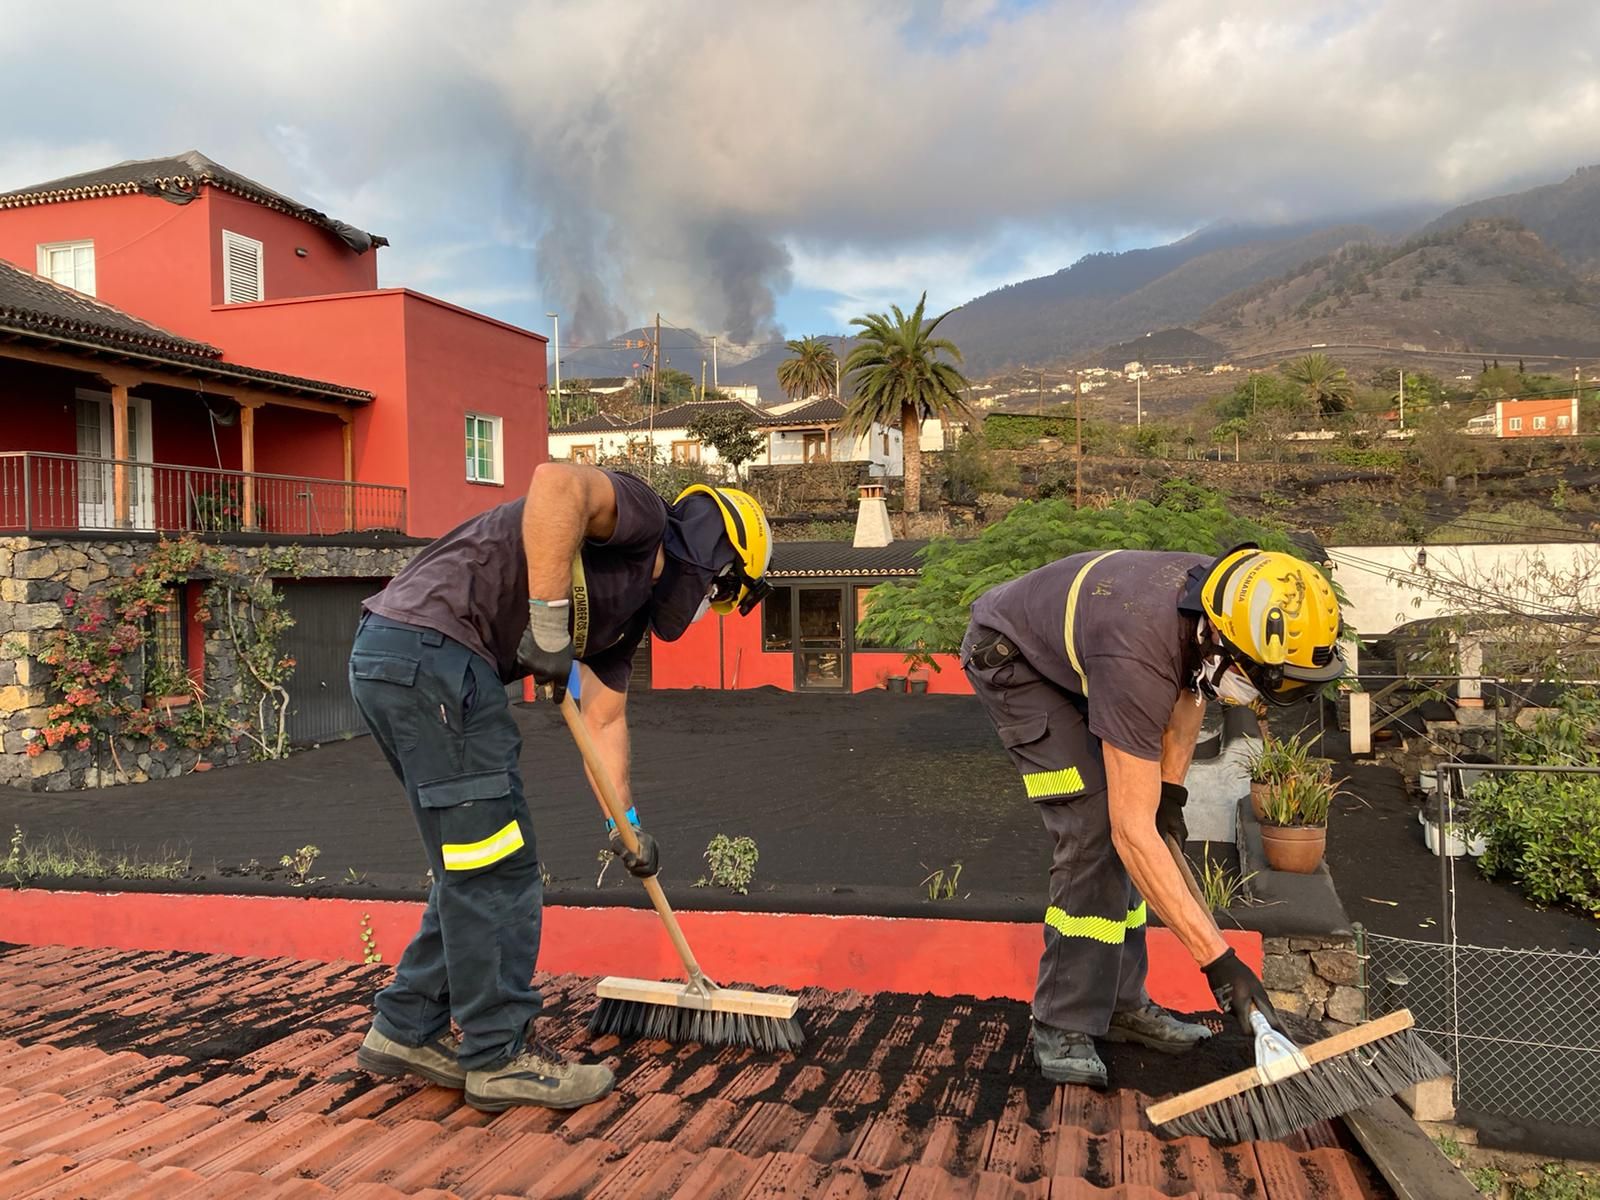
point(42, 492)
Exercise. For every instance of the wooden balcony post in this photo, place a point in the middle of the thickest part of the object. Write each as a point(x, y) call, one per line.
point(348, 431)
point(119, 451)
point(247, 463)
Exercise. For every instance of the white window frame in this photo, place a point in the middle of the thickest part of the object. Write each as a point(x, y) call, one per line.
point(496, 434)
point(1563, 420)
point(77, 244)
point(1514, 424)
point(1538, 422)
point(231, 239)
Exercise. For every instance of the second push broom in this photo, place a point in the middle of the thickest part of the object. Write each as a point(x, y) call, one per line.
point(1290, 1088)
point(695, 1011)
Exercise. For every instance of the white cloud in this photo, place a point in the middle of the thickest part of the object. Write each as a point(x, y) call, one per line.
point(700, 156)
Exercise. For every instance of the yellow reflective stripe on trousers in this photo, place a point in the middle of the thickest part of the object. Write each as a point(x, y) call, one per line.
point(1072, 615)
point(1098, 929)
point(469, 856)
point(1045, 784)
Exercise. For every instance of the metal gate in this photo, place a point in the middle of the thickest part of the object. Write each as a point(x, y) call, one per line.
point(325, 613)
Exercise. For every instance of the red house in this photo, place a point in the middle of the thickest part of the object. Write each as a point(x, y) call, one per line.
point(186, 351)
point(213, 351)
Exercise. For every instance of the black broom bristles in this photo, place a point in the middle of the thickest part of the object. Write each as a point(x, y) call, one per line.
point(1327, 1090)
point(668, 1022)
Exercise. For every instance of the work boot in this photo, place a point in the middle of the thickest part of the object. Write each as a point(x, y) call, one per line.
point(539, 1075)
point(434, 1061)
point(1066, 1056)
point(1153, 1026)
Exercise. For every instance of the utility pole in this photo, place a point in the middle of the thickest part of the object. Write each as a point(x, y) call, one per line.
point(836, 394)
point(1041, 393)
point(702, 381)
point(1138, 402)
point(715, 386)
point(655, 382)
point(557, 321)
point(1402, 398)
point(1079, 485)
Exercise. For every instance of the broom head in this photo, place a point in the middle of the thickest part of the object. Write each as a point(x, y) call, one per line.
point(682, 1012)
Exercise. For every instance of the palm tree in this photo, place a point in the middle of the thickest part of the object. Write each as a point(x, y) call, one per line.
point(1324, 385)
point(898, 378)
point(811, 371)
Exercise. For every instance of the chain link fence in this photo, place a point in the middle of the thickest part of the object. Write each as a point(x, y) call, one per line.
point(1519, 1028)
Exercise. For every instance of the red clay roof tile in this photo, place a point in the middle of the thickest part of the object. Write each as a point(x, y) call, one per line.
point(156, 1076)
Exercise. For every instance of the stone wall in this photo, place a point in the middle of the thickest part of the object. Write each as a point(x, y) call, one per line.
point(1317, 977)
point(37, 575)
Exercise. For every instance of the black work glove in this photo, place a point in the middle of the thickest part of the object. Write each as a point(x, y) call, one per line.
point(643, 864)
point(1169, 816)
point(545, 650)
point(1238, 990)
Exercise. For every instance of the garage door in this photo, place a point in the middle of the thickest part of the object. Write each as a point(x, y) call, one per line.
point(325, 613)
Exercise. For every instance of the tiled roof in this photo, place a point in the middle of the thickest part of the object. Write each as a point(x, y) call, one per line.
point(826, 411)
point(179, 179)
point(34, 306)
point(792, 559)
point(598, 423)
point(164, 1075)
point(679, 415)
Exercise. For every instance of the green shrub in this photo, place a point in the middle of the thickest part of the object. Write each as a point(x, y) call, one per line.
point(1376, 460)
point(1544, 830)
point(730, 863)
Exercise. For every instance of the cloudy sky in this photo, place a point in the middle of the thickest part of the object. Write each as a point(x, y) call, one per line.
point(756, 166)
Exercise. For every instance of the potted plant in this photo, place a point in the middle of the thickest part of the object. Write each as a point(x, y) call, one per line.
point(1294, 828)
point(918, 663)
point(167, 689)
point(1277, 759)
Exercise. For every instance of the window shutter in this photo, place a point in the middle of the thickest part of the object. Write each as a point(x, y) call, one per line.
point(241, 269)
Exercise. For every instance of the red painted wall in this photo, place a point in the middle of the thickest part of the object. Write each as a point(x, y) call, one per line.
point(329, 266)
point(37, 411)
point(150, 254)
point(984, 959)
point(459, 362)
point(1551, 410)
point(734, 642)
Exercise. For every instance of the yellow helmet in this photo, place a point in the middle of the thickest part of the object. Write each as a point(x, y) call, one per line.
point(1278, 620)
point(743, 585)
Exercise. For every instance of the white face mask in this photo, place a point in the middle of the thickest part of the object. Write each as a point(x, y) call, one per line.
point(1234, 688)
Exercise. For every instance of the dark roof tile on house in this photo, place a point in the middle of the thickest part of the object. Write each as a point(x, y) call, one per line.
point(680, 415)
point(179, 179)
point(826, 411)
point(34, 307)
point(598, 423)
point(813, 559)
point(127, 1073)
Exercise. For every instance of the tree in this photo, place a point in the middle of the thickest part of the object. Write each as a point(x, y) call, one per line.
point(898, 377)
point(729, 432)
point(1324, 385)
point(812, 370)
point(931, 613)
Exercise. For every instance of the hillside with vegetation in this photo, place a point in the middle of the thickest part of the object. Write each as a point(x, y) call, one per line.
point(1488, 285)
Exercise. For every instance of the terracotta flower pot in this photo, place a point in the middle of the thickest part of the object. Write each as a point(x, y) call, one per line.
point(1294, 848)
point(1258, 800)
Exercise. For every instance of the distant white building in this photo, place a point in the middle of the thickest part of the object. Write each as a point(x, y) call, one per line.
point(800, 431)
point(747, 393)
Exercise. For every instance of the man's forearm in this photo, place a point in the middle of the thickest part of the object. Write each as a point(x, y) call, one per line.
point(1133, 786)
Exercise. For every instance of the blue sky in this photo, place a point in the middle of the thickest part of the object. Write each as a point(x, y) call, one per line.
point(753, 169)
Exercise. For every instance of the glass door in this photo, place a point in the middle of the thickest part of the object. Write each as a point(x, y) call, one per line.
point(820, 661)
point(97, 479)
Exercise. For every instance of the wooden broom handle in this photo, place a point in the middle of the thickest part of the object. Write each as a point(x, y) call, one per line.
point(1188, 877)
point(611, 806)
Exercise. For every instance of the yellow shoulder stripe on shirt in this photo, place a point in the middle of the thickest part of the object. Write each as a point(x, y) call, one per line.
point(1072, 615)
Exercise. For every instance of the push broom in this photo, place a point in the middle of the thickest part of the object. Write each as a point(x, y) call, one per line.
point(1290, 1088)
point(696, 1011)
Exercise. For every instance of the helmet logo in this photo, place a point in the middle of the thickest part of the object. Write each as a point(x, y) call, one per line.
point(1294, 596)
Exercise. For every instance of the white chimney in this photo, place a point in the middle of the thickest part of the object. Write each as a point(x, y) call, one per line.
point(872, 521)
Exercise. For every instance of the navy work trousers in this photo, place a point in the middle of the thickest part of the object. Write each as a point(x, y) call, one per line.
point(441, 715)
